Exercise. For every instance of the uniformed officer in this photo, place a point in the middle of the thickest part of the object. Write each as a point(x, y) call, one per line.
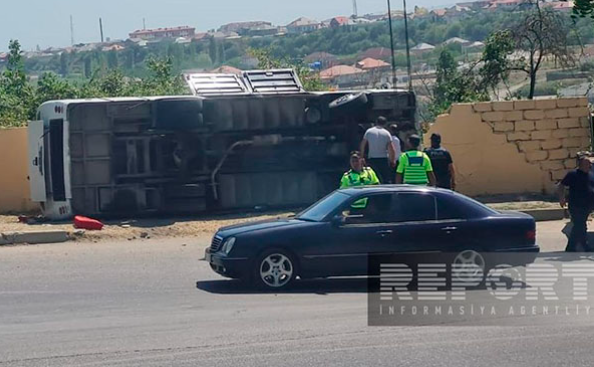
point(358, 175)
point(414, 167)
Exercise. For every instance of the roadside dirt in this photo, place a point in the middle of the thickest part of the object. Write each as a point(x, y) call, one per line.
point(144, 228)
point(188, 227)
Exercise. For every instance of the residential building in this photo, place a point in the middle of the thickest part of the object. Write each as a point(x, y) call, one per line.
point(509, 5)
point(370, 64)
point(161, 33)
point(325, 59)
point(344, 76)
point(261, 31)
point(379, 53)
point(563, 6)
point(422, 48)
point(479, 4)
point(242, 28)
point(340, 21)
point(303, 25)
point(457, 40)
point(474, 47)
point(113, 48)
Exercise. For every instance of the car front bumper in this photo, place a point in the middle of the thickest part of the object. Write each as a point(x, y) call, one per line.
point(231, 267)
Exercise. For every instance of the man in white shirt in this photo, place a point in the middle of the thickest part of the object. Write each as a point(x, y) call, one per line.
point(396, 144)
point(381, 151)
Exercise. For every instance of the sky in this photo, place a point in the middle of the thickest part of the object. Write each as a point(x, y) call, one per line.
point(46, 23)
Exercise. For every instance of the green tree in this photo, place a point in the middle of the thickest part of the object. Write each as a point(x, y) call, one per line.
point(213, 50)
point(64, 64)
point(454, 86)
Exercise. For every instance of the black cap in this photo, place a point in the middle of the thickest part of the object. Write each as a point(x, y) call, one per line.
point(355, 154)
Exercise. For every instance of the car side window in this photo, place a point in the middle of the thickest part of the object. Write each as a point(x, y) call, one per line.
point(370, 209)
point(448, 210)
point(415, 207)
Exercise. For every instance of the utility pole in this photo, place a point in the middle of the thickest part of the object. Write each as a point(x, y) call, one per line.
point(409, 65)
point(355, 12)
point(394, 79)
point(71, 31)
point(144, 24)
point(101, 29)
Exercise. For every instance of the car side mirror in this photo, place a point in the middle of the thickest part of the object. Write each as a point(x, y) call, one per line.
point(339, 220)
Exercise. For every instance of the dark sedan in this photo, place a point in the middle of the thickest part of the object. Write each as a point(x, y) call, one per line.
point(336, 235)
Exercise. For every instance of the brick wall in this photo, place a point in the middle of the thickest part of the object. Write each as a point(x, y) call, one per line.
point(548, 132)
point(514, 146)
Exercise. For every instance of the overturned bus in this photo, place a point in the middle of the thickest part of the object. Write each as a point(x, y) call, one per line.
point(239, 142)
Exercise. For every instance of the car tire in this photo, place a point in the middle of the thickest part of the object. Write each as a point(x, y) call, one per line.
point(274, 270)
point(468, 265)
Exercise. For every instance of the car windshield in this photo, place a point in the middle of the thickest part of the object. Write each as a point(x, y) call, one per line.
point(324, 207)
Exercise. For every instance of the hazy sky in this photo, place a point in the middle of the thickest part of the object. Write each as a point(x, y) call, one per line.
point(47, 22)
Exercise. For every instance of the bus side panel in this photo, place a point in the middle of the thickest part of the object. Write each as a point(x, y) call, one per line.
point(37, 171)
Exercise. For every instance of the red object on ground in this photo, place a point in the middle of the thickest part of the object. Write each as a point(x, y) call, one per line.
point(87, 223)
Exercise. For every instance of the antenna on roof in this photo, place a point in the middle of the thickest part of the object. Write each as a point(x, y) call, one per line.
point(71, 31)
point(355, 12)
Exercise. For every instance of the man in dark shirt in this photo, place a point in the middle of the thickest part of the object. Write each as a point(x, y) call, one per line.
point(443, 165)
point(581, 197)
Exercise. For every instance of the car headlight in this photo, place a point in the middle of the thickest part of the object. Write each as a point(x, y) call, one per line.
point(228, 246)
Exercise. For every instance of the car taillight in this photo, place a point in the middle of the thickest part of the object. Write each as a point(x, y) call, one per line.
point(531, 236)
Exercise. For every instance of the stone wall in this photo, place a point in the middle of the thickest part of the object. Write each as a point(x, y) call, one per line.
point(515, 146)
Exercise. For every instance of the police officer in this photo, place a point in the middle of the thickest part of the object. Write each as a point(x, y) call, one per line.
point(414, 167)
point(358, 175)
point(580, 183)
point(442, 163)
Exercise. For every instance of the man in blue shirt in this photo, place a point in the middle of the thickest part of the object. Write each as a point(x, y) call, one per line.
point(580, 183)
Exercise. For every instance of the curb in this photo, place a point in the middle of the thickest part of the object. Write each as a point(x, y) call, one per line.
point(544, 215)
point(12, 238)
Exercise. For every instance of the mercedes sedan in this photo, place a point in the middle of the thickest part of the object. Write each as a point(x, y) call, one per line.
point(337, 235)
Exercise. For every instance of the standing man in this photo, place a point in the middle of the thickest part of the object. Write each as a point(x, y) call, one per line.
point(581, 195)
point(397, 147)
point(442, 163)
point(381, 151)
point(358, 175)
point(414, 167)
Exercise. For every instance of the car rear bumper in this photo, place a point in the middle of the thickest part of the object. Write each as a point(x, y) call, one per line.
point(517, 256)
point(231, 267)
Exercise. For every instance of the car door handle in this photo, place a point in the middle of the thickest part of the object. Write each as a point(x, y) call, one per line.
point(449, 229)
point(384, 233)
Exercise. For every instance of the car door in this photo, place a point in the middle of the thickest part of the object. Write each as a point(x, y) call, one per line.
point(363, 229)
point(415, 227)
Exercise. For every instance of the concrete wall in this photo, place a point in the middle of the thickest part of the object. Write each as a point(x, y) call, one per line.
point(14, 185)
point(516, 146)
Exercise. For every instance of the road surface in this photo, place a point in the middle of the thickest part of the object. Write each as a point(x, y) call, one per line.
point(152, 303)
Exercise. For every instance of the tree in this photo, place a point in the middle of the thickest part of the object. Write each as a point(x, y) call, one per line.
point(64, 64)
point(454, 86)
point(540, 34)
point(496, 63)
point(213, 50)
point(583, 8)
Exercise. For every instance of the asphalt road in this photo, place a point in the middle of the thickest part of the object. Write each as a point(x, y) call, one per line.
point(152, 303)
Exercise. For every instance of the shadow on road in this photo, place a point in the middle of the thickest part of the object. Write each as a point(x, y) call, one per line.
point(311, 286)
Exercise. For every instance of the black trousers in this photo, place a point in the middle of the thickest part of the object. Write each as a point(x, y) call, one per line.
point(579, 232)
point(381, 167)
